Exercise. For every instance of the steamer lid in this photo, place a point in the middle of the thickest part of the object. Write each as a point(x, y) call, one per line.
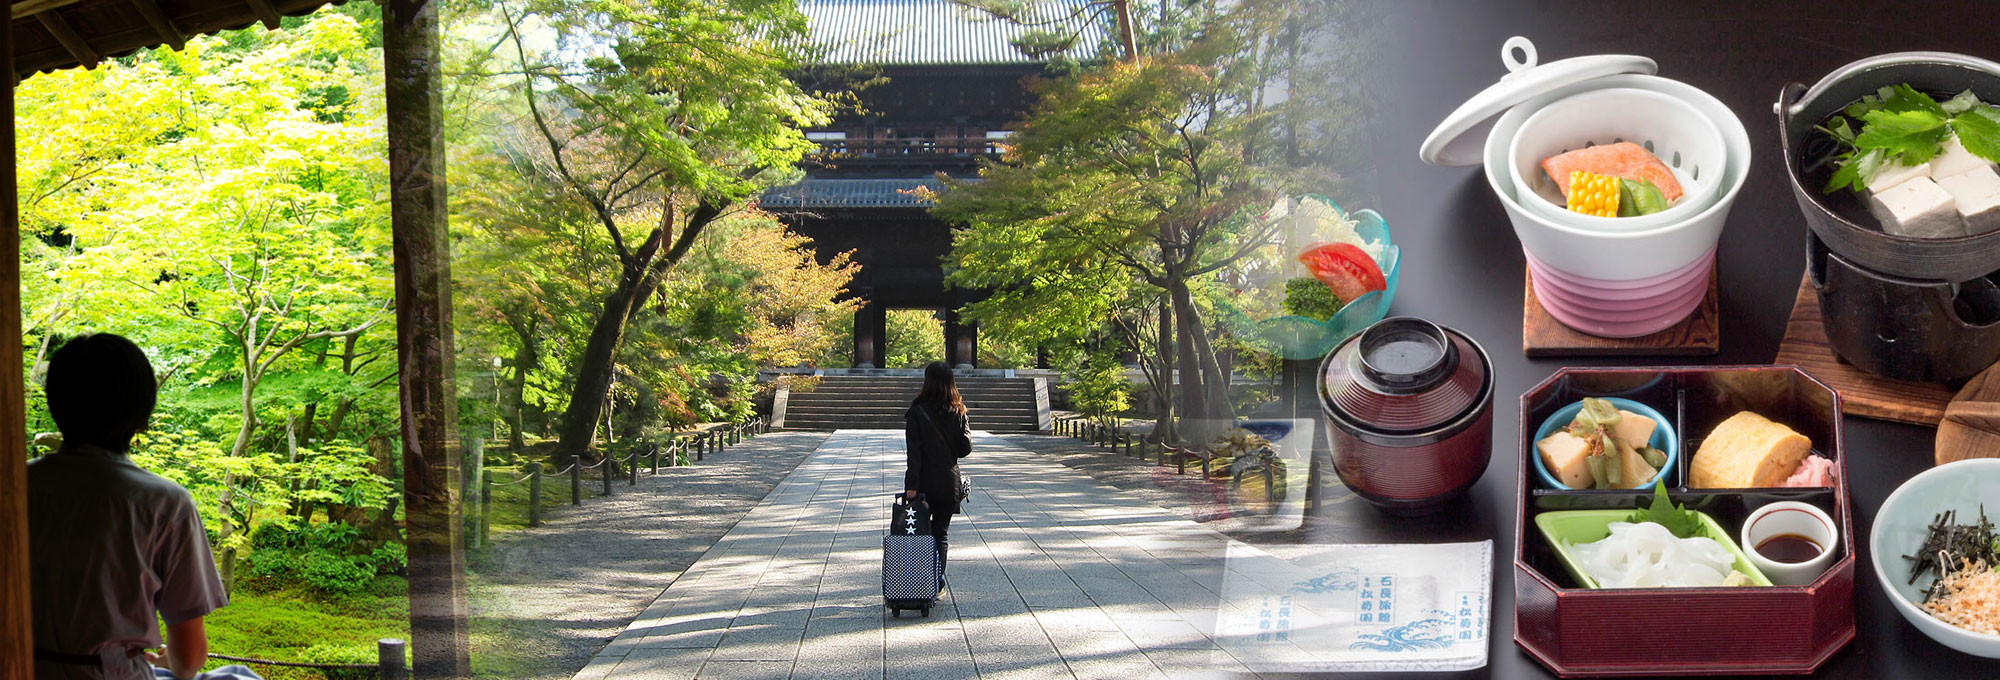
point(1458, 140)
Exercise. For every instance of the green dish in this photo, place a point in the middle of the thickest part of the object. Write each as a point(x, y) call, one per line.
point(1565, 528)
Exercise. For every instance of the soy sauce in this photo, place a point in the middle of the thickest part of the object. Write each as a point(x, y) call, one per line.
point(1789, 548)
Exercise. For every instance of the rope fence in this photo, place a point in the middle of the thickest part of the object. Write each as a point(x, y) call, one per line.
point(1129, 444)
point(696, 447)
point(389, 666)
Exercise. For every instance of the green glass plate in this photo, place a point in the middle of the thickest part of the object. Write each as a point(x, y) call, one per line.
point(1566, 528)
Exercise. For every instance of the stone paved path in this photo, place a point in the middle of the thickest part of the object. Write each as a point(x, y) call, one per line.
point(1053, 575)
point(549, 598)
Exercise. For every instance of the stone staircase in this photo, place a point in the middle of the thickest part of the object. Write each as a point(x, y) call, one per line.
point(878, 403)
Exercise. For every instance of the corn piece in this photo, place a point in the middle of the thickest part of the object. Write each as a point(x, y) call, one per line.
point(1593, 194)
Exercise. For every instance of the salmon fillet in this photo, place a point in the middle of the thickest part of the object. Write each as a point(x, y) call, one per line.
point(1622, 159)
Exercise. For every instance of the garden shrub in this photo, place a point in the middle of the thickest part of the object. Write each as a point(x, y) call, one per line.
point(328, 557)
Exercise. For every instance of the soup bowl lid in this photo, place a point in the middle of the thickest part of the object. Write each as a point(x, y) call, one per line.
point(1402, 375)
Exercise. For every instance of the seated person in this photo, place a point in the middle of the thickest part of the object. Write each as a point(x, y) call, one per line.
point(113, 545)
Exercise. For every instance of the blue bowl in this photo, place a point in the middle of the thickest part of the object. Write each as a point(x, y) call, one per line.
point(1664, 438)
point(1306, 338)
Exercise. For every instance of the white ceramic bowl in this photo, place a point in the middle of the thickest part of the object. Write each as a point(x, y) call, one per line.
point(1901, 525)
point(1620, 256)
point(1680, 135)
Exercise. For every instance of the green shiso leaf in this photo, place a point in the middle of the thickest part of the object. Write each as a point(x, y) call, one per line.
point(1902, 98)
point(1914, 136)
point(1677, 519)
point(1979, 134)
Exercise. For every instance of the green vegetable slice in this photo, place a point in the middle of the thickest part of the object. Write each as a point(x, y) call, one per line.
point(1640, 197)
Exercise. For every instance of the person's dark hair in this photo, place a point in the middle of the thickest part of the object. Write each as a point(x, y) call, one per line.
point(100, 390)
point(940, 389)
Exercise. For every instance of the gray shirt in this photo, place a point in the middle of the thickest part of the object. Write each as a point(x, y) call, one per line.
point(111, 546)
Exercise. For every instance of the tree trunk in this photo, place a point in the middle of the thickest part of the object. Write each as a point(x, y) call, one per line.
point(419, 217)
point(516, 401)
point(593, 368)
point(226, 503)
point(1194, 395)
point(1167, 362)
point(1127, 37)
point(1215, 381)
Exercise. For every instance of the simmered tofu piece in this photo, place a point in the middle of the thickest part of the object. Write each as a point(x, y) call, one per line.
point(1633, 430)
point(1955, 159)
point(1976, 194)
point(1564, 453)
point(1892, 174)
point(1633, 471)
point(1917, 208)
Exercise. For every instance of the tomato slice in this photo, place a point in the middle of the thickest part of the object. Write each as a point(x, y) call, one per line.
point(1346, 269)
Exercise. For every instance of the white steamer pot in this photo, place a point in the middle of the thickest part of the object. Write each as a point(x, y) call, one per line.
point(1590, 253)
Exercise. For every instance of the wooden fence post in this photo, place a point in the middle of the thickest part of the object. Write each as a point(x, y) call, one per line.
point(534, 493)
point(576, 480)
point(485, 506)
point(608, 464)
point(656, 460)
point(632, 469)
point(471, 468)
point(701, 448)
point(389, 659)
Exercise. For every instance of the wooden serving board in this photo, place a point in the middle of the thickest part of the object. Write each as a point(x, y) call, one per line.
point(1543, 336)
point(1861, 393)
point(1971, 426)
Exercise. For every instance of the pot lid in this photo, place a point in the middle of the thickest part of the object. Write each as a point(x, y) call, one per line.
point(1458, 140)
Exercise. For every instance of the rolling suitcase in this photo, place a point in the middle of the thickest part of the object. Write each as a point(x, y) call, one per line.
point(910, 569)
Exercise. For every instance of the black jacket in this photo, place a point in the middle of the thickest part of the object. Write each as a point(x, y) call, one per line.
point(933, 454)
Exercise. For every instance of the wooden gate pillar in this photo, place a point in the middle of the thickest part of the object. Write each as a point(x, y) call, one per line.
point(17, 632)
point(439, 642)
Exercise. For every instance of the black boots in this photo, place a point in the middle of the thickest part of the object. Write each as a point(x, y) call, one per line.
point(944, 549)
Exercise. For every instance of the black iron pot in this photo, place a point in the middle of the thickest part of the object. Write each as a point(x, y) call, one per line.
point(1907, 329)
point(1841, 219)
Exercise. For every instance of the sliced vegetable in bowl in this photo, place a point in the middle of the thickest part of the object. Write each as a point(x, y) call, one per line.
point(1345, 269)
point(1337, 294)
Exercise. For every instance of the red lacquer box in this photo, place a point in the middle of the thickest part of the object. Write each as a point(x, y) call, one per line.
point(1684, 631)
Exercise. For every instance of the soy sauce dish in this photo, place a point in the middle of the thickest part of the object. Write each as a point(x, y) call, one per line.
point(1791, 542)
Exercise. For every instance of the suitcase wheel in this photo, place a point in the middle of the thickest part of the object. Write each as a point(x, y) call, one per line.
point(896, 612)
point(927, 612)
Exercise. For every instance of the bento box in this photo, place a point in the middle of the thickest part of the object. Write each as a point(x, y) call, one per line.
point(1784, 629)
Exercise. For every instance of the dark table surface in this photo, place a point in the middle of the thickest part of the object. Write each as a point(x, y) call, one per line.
point(1462, 266)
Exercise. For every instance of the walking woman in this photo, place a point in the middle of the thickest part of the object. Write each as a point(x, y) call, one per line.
point(937, 434)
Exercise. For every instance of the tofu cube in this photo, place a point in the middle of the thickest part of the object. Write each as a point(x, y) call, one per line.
point(1633, 470)
point(1633, 430)
point(1955, 159)
point(1918, 208)
point(1564, 453)
point(1976, 194)
point(1892, 174)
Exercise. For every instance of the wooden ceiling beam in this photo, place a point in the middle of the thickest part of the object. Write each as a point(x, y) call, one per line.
point(76, 45)
point(161, 24)
point(28, 8)
point(266, 12)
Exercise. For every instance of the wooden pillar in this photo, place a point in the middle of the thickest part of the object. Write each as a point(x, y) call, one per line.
point(439, 642)
point(871, 325)
point(17, 632)
point(961, 341)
